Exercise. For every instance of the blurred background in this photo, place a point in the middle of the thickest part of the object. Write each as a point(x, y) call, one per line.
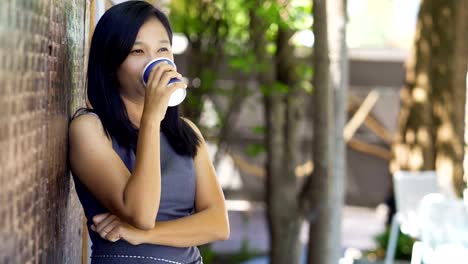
point(332, 126)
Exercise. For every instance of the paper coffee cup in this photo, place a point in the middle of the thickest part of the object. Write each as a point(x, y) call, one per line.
point(178, 95)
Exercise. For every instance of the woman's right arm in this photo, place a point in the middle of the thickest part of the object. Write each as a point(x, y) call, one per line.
point(134, 197)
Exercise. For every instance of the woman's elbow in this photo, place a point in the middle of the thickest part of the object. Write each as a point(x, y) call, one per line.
point(142, 219)
point(143, 223)
point(224, 231)
point(224, 234)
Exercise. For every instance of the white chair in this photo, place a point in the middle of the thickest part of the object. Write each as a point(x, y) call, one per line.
point(444, 231)
point(409, 188)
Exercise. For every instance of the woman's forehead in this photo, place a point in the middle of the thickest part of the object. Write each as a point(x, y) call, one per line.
point(152, 30)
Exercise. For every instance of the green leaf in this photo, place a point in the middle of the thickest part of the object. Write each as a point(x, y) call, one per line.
point(306, 86)
point(271, 48)
point(246, 63)
point(207, 253)
point(280, 87)
point(258, 130)
point(255, 149)
point(277, 87)
point(304, 71)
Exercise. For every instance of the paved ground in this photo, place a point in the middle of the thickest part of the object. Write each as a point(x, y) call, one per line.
point(359, 226)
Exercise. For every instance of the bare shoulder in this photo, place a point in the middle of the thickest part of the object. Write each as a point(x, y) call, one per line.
point(193, 126)
point(87, 126)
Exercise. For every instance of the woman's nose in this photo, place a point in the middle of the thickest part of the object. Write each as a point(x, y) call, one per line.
point(156, 56)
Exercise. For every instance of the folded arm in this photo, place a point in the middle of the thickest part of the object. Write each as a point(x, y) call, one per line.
point(209, 223)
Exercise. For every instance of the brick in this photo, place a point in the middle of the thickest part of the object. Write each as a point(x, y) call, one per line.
point(41, 72)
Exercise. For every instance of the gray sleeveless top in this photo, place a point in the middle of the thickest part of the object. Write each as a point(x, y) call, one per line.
point(177, 200)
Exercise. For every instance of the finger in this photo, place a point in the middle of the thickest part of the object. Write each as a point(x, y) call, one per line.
point(104, 223)
point(111, 225)
point(99, 217)
point(98, 220)
point(105, 231)
point(159, 70)
point(99, 227)
point(167, 77)
point(114, 235)
point(175, 86)
point(155, 71)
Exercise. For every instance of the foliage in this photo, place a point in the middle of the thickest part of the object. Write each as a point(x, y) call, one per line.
point(403, 249)
point(258, 130)
point(254, 149)
point(207, 253)
point(244, 254)
point(218, 32)
point(209, 23)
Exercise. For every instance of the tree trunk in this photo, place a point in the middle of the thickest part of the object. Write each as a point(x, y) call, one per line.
point(414, 149)
point(193, 106)
point(281, 119)
point(432, 115)
point(239, 93)
point(339, 81)
point(449, 88)
point(323, 194)
point(283, 191)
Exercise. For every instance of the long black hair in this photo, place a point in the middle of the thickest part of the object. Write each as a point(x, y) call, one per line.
point(111, 43)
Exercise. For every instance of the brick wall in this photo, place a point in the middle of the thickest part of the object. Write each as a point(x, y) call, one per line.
point(42, 47)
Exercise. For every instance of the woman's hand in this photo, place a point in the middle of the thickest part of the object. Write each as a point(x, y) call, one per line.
point(158, 92)
point(111, 228)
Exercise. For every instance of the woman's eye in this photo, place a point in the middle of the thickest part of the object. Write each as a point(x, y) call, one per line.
point(136, 51)
point(163, 50)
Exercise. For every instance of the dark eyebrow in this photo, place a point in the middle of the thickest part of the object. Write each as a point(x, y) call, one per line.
point(162, 41)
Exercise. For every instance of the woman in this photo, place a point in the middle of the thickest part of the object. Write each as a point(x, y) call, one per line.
point(142, 173)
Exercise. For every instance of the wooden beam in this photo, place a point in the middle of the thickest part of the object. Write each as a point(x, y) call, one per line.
point(360, 115)
point(370, 149)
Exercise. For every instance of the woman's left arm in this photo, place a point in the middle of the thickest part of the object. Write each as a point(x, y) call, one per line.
point(209, 223)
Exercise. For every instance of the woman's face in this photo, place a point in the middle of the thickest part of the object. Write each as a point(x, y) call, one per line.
point(151, 42)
